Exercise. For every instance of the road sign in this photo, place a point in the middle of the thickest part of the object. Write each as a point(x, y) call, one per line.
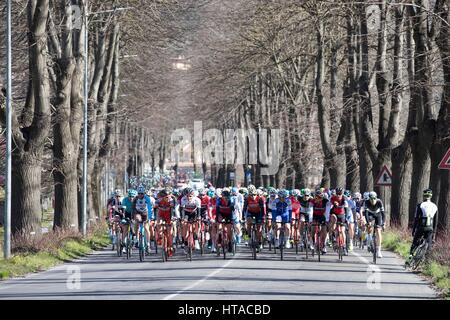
point(445, 163)
point(384, 178)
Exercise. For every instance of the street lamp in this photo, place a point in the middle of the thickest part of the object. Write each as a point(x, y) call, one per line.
point(7, 218)
point(86, 96)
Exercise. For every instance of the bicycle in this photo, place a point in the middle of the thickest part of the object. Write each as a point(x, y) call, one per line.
point(373, 243)
point(190, 239)
point(340, 241)
point(317, 243)
point(202, 236)
point(419, 255)
point(305, 239)
point(222, 239)
point(295, 237)
point(129, 241)
point(281, 240)
point(253, 240)
point(268, 234)
point(142, 241)
point(165, 227)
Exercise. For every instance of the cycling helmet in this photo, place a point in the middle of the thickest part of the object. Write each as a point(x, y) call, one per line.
point(218, 192)
point(283, 193)
point(176, 192)
point(347, 193)
point(188, 191)
point(366, 196)
point(226, 192)
point(372, 195)
point(251, 189)
point(306, 192)
point(339, 191)
point(295, 192)
point(234, 190)
point(319, 193)
point(141, 189)
point(163, 193)
point(132, 193)
point(357, 196)
point(201, 191)
point(210, 193)
point(118, 193)
point(427, 193)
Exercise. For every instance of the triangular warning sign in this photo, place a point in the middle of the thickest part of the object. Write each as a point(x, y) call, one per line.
point(384, 178)
point(445, 163)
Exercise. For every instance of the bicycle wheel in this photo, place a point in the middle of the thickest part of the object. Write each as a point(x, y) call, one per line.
point(419, 255)
point(282, 243)
point(375, 249)
point(224, 250)
point(306, 242)
point(253, 242)
point(341, 246)
point(141, 248)
point(119, 244)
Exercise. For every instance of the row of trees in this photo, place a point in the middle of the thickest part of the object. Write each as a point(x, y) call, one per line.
point(352, 85)
point(48, 102)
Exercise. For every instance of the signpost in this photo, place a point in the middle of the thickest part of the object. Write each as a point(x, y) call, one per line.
point(445, 163)
point(384, 179)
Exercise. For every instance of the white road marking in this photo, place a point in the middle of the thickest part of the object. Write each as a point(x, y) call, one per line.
point(199, 281)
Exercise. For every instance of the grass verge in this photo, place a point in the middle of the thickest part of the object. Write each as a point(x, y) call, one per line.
point(66, 249)
point(437, 268)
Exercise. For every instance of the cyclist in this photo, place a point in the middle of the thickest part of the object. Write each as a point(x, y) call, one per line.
point(127, 203)
point(205, 202)
point(239, 200)
point(225, 208)
point(374, 210)
point(165, 212)
point(116, 212)
point(350, 217)
point(270, 206)
point(282, 212)
point(424, 222)
point(339, 208)
point(306, 213)
point(321, 215)
point(254, 207)
point(143, 211)
point(190, 212)
point(295, 201)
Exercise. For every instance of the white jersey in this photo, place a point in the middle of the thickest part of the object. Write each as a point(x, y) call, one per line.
point(429, 210)
point(190, 206)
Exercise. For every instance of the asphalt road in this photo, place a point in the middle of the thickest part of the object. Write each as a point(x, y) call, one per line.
point(103, 275)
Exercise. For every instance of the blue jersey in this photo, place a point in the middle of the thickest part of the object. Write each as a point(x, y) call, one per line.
point(283, 209)
point(128, 205)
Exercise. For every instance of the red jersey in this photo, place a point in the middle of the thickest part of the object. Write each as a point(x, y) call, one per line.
point(319, 207)
point(164, 208)
point(338, 208)
point(225, 206)
point(254, 204)
point(295, 206)
point(212, 205)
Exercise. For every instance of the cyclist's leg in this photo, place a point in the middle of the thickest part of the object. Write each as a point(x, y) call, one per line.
point(151, 233)
point(378, 224)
